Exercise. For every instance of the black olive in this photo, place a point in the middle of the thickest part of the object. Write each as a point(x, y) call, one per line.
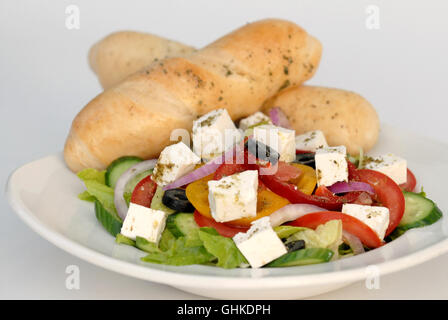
point(306, 159)
point(177, 200)
point(295, 245)
point(262, 151)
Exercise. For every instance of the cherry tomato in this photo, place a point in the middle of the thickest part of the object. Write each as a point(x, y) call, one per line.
point(350, 224)
point(223, 229)
point(144, 192)
point(388, 193)
point(410, 183)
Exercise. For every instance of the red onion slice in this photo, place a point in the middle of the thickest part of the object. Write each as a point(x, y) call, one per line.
point(278, 118)
point(343, 187)
point(120, 203)
point(353, 242)
point(206, 169)
point(292, 212)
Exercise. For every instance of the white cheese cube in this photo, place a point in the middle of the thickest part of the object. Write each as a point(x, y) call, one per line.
point(260, 244)
point(234, 197)
point(214, 133)
point(280, 139)
point(311, 141)
point(254, 119)
point(174, 162)
point(331, 166)
point(143, 222)
point(377, 218)
point(392, 166)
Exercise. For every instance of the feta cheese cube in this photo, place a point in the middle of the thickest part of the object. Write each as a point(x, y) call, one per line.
point(214, 133)
point(143, 222)
point(280, 139)
point(311, 141)
point(234, 197)
point(377, 218)
point(392, 166)
point(260, 244)
point(174, 162)
point(331, 166)
point(256, 118)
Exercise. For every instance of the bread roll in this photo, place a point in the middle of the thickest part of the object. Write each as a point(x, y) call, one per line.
point(345, 117)
point(237, 72)
point(123, 53)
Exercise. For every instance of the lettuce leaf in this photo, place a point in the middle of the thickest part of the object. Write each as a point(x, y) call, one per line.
point(224, 249)
point(179, 255)
point(328, 235)
point(287, 231)
point(92, 174)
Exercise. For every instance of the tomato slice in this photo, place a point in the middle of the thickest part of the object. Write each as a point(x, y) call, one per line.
point(350, 224)
point(411, 182)
point(144, 192)
point(388, 194)
point(294, 195)
point(223, 229)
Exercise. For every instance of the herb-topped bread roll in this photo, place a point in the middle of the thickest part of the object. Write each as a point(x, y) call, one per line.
point(344, 117)
point(237, 72)
point(123, 53)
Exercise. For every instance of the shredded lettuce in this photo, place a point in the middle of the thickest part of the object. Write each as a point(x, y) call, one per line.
point(179, 254)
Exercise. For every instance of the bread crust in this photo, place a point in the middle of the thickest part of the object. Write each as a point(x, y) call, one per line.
point(237, 72)
point(345, 117)
point(123, 53)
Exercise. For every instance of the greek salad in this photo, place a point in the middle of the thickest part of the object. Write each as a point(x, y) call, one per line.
point(260, 197)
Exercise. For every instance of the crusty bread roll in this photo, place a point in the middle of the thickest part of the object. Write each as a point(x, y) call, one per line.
point(123, 53)
point(344, 117)
point(237, 72)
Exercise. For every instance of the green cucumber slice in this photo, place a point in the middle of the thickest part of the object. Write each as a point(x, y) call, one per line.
point(118, 167)
point(419, 211)
point(302, 257)
point(181, 224)
point(157, 203)
point(111, 222)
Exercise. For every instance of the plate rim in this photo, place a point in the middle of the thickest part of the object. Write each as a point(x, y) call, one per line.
point(207, 281)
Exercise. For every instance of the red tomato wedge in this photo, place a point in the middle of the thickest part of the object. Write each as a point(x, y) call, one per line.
point(350, 224)
point(144, 192)
point(222, 228)
point(294, 195)
point(388, 194)
point(410, 183)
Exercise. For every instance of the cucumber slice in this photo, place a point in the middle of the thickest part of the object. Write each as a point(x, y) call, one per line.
point(118, 167)
point(181, 224)
point(130, 186)
point(419, 211)
point(157, 203)
point(302, 257)
point(112, 223)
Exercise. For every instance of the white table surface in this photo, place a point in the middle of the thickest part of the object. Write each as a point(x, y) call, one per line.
point(44, 80)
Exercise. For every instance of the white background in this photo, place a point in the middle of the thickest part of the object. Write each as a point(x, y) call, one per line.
point(45, 80)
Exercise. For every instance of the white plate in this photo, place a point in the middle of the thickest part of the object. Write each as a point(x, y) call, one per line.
point(44, 194)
